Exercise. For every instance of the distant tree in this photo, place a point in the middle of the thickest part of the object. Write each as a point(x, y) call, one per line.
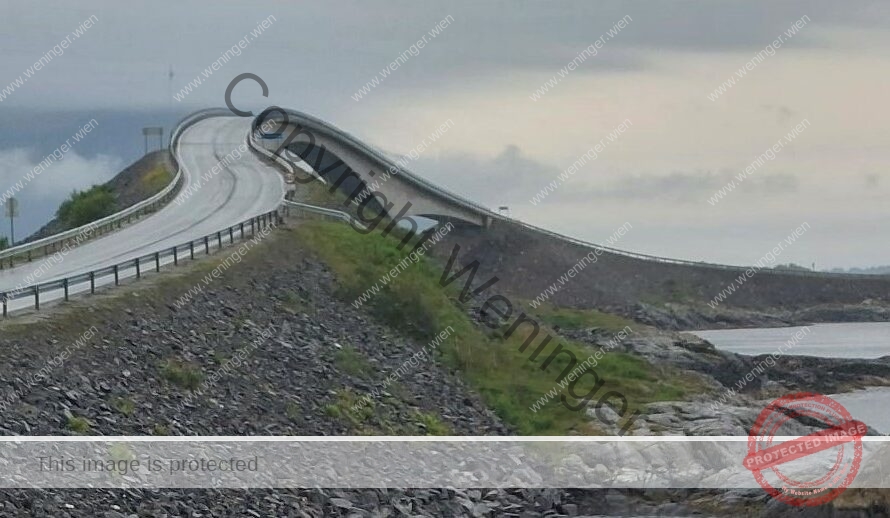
point(83, 207)
point(4, 243)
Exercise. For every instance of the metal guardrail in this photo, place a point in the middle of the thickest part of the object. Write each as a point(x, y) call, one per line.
point(314, 123)
point(302, 209)
point(51, 244)
point(139, 265)
point(319, 125)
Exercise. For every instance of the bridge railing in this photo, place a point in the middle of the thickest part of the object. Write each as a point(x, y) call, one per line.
point(296, 208)
point(314, 123)
point(138, 266)
point(75, 236)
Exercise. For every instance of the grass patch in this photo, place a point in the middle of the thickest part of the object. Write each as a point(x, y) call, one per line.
point(78, 425)
point(432, 424)
point(123, 405)
point(293, 302)
point(342, 408)
point(571, 318)
point(352, 362)
point(293, 411)
point(155, 180)
point(182, 374)
point(510, 383)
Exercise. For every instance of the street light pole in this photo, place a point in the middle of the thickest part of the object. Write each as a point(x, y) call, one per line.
point(12, 211)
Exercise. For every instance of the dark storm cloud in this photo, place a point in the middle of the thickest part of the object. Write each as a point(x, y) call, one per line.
point(322, 52)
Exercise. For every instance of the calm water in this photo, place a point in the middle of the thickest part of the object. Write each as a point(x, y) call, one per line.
point(871, 340)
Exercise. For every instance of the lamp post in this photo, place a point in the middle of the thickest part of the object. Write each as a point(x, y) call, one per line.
point(12, 212)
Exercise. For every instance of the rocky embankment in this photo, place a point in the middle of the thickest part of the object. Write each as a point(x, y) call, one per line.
point(372, 503)
point(686, 317)
point(721, 411)
point(158, 357)
point(149, 364)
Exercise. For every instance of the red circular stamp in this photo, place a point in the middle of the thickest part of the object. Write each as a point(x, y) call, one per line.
point(809, 470)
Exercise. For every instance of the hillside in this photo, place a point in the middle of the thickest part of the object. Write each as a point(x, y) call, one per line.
point(667, 295)
point(274, 345)
point(138, 181)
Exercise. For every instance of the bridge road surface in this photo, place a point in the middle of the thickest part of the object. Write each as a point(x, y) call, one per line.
point(245, 188)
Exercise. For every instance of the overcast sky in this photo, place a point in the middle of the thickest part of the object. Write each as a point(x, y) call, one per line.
point(504, 147)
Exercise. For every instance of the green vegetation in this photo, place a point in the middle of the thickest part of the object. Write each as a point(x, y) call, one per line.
point(83, 207)
point(292, 411)
point(4, 243)
point(219, 358)
point(342, 408)
point(377, 417)
point(182, 374)
point(352, 362)
point(125, 406)
point(570, 318)
point(156, 179)
point(160, 430)
point(78, 424)
point(432, 424)
point(509, 382)
point(317, 193)
point(120, 452)
point(294, 302)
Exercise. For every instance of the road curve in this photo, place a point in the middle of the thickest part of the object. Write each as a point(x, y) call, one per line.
point(243, 188)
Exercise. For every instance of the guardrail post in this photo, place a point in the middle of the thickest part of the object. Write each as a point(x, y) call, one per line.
point(29, 256)
point(252, 232)
point(206, 245)
point(175, 257)
point(192, 250)
point(138, 271)
point(157, 262)
point(117, 279)
point(5, 311)
point(92, 282)
point(231, 235)
point(242, 230)
point(65, 286)
point(219, 239)
point(37, 297)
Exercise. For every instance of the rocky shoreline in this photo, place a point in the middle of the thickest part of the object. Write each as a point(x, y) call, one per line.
point(722, 370)
point(144, 374)
point(688, 317)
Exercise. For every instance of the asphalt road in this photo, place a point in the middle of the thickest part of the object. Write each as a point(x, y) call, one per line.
point(243, 188)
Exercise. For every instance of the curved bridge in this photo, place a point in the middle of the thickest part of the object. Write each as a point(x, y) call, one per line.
point(220, 184)
point(364, 174)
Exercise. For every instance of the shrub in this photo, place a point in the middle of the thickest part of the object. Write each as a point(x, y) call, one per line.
point(350, 361)
point(182, 374)
point(84, 207)
point(78, 424)
point(123, 405)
